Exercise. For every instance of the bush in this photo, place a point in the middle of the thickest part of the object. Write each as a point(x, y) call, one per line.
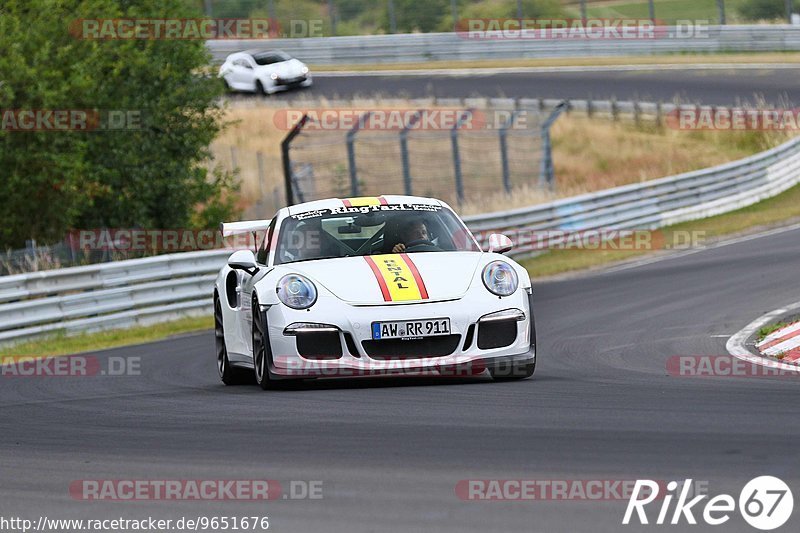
point(762, 9)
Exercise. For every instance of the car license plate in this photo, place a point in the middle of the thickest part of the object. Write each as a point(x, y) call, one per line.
point(410, 329)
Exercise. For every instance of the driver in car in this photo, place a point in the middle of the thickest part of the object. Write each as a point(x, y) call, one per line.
point(414, 231)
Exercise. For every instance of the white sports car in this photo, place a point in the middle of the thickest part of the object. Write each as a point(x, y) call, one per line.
point(370, 286)
point(264, 72)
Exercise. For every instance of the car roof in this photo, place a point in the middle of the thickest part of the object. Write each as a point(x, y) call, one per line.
point(332, 203)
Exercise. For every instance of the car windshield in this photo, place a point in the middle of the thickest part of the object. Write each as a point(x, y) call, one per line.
point(368, 230)
point(268, 58)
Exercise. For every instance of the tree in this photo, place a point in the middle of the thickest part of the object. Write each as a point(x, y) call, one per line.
point(154, 176)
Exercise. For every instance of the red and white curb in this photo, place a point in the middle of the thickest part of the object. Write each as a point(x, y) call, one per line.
point(737, 348)
point(783, 344)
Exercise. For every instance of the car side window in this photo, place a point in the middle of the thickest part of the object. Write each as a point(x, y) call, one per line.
point(266, 244)
point(242, 63)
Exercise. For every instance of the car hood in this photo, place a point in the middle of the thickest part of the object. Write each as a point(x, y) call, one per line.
point(394, 278)
point(285, 69)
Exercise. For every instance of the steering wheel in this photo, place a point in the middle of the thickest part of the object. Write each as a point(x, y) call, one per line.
point(422, 245)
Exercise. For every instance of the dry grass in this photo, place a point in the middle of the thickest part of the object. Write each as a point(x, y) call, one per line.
point(589, 155)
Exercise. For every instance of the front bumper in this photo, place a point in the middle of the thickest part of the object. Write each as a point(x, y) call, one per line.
point(350, 350)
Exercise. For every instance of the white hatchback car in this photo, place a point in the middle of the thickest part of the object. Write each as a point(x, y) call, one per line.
point(264, 72)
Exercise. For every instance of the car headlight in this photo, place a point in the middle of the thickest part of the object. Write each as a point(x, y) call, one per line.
point(304, 70)
point(274, 75)
point(296, 291)
point(500, 278)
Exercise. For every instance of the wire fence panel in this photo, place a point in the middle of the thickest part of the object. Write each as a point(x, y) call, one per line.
point(379, 163)
point(319, 165)
point(460, 155)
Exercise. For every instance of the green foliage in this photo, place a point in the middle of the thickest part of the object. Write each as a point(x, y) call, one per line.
point(154, 176)
point(762, 9)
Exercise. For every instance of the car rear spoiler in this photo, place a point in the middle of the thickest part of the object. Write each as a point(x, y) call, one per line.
point(248, 226)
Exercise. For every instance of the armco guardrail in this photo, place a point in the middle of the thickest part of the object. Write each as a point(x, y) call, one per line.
point(108, 295)
point(147, 290)
point(422, 47)
point(656, 203)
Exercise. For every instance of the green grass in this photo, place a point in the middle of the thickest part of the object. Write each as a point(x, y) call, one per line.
point(666, 10)
point(661, 59)
point(61, 344)
point(772, 328)
point(771, 212)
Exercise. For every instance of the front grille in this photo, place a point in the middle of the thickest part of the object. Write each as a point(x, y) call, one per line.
point(294, 81)
point(496, 334)
point(319, 345)
point(412, 348)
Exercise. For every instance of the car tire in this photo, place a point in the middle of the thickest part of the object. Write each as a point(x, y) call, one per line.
point(230, 375)
point(262, 352)
point(260, 89)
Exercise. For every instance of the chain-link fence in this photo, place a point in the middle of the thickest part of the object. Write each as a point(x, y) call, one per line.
point(460, 155)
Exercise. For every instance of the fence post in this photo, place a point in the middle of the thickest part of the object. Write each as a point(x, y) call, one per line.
point(637, 111)
point(503, 132)
point(351, 152)
point(404, 152)
point(721, 9)
point(546, 176)
point(392, 18)
point(614, 109)
point(658, 114)
point(234, 159)
point(287, 161)
point(457, 156)
point(260, 158)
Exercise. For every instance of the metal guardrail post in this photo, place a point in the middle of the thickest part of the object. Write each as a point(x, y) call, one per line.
point(502, 134)
point(288, 183)
point(407, 185)
point(721, 9)
point(351, 153)
point(546, 175)
point(457, 155)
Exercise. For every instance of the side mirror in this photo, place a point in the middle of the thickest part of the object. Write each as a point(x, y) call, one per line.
point(243, 260)
point(499, 243)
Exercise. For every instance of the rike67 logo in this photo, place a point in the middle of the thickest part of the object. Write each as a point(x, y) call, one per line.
point(765, 503)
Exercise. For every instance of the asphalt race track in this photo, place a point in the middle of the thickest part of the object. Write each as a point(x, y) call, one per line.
point(712, 87)
point(389, 453)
